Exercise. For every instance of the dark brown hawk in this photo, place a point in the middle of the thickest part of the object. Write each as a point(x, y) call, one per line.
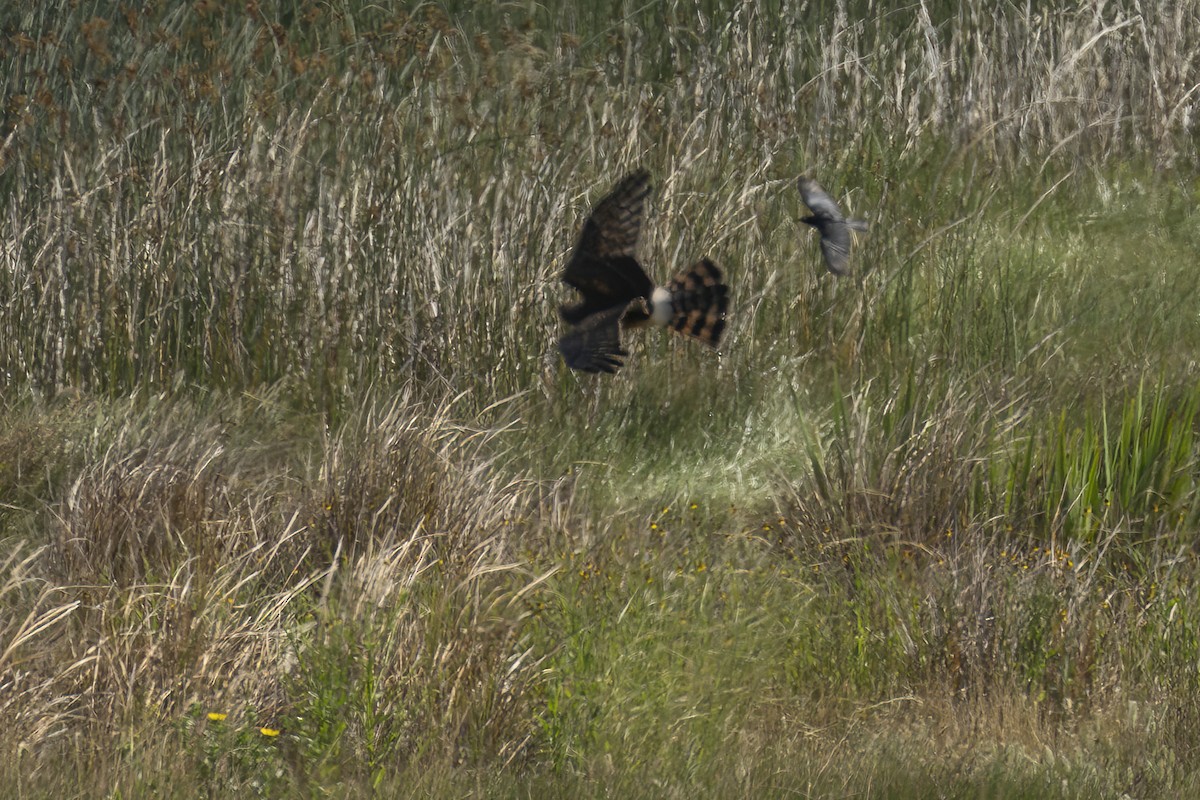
point(617, 292)
point(835, 229)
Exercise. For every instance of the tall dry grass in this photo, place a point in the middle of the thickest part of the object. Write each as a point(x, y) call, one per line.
point(208, 194)
point(190, 571)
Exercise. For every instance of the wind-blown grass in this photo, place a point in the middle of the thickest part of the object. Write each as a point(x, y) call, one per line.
point(297, 496)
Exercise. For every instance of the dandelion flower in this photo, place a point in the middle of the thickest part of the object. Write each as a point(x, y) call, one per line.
point(217, 716)
point(271, 732)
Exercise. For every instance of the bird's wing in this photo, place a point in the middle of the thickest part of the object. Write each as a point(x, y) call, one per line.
point(605, 282)
point(610, 235)
point(595, 344)
point(835, 246)
point(818, 199)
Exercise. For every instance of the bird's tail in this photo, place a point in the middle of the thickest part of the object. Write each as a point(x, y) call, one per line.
point(858, 225)
point(698, 302)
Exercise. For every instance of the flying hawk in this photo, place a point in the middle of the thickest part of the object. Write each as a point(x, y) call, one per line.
point(617, 292)
point(835, 229)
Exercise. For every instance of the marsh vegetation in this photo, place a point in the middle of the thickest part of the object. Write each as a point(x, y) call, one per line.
point(297, 497)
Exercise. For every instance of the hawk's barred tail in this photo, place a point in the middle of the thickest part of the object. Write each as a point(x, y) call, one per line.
point(698, 302)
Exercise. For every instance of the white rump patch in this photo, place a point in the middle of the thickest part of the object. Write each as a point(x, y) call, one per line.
point(661, 308)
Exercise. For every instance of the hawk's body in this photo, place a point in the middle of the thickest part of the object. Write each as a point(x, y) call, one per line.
point(828, 219)
point(617, 292)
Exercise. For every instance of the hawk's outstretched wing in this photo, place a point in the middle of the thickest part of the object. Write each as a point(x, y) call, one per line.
point(603, 266)
point(594, 345)
point(615, 224)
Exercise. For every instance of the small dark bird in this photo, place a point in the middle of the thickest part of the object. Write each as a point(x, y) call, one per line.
point(617, 292)
point(835, 229)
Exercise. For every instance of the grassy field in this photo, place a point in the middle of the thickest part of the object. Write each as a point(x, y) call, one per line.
point(297, 497)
